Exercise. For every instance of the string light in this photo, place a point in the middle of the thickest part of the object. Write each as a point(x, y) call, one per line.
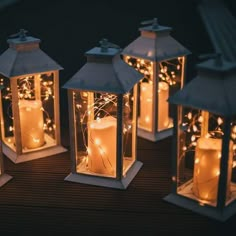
point(168, 69)
point(192, 123)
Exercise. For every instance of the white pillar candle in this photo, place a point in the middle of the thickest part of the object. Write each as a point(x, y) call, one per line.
point(102, 145)
point(146, 103)
point(207, 168)
point(163, 106)
point(145, 119)
point(31, 123)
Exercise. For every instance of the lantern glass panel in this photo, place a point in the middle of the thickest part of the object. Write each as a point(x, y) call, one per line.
point(96, 133)
point(6, 112)
point(200, 135)
point(36, 112)
point(129, 129)
point(145, 90)
point(170, 79)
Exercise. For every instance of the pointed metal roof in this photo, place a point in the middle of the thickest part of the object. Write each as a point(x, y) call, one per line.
point(213, 89)
point(220, 25)
point(155, 44)
point(25, 57)
point(104, 71)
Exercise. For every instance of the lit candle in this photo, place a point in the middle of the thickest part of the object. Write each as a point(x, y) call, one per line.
point(163, 106)
point(145, 119)
point(207, 168)
point(102, 145)
point(31, 123)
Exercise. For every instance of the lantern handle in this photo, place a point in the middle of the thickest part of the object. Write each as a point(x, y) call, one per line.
point(217, 56)
point(21, 35)
point(154, 23)
point(105, 44)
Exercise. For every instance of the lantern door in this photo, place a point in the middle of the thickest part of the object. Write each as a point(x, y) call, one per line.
point(145, 90)
point(170, 79)
point(129, 126)
point(28, 111)
point(161, 79)
point(95, 128)
point(201, 145)
point(104, 133)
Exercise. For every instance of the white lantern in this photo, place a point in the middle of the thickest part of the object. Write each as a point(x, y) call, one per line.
point(30, 101)
point(204, 147)
point(161, 59)
point(102, 108)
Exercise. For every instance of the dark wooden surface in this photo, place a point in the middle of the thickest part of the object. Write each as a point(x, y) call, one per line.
point(37, 201)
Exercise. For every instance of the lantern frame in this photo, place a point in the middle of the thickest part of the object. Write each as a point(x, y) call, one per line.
point(157, 47)
point(25, 67)
point(104, 72)
point(216, 82)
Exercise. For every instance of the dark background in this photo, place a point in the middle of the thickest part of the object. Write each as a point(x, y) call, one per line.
point(37, 200)
point(68, 28)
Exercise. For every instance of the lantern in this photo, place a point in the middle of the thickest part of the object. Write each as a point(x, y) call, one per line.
point(4, 178)
point(161, 59)
point(30, 100)
point(204, 147)
point(102, 107)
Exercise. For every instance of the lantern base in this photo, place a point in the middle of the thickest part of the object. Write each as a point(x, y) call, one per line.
point(4, 179)
point(29, 156)
point(155, 136)
point(206, 210)
point(106, 182)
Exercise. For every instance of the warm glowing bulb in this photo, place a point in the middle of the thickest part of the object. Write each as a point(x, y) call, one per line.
point(200, 119)
point(147, 119)
point(219, 121)
point(234, 147)
point(36, 140)
point(195, 128)
point(234, 129)
point(189, 115)
point(97, 141)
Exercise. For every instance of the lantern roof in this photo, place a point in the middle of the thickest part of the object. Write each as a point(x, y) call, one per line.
point(155, 44)
point(105, 71)
point(25, 57)
point(213, 89)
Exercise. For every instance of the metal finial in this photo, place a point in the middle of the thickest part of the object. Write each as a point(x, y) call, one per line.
point(21, 35)
point(217, 56)
point(105, 44)
point(154, 23)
